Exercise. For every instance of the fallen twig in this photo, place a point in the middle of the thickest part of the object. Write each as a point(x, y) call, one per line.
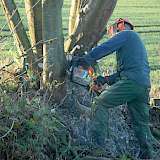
point(8, 131)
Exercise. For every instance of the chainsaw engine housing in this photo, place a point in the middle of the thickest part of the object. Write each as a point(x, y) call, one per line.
point(80, 76)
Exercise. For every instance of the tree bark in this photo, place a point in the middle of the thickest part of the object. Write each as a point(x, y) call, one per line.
point(92, 21)
point(34, 16)
point(54, 61)
point(74, 13)
point(17, 28)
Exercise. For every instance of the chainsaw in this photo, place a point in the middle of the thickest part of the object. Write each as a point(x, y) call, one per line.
point(84, 77)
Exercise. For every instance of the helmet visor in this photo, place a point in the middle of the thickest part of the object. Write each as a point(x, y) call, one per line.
point(112, 30)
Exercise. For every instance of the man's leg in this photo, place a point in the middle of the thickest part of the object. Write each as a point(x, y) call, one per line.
point(120, 93)
point(140, 117)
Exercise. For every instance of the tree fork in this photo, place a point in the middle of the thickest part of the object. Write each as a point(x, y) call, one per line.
point(92, 21)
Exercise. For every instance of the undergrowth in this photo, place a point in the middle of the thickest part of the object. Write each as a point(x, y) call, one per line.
point(29, 130)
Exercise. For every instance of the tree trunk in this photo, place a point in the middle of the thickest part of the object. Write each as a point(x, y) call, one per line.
point(92, 21)
point(54, 61)
point(17, 28)
point(34, 16)
point(74, 13)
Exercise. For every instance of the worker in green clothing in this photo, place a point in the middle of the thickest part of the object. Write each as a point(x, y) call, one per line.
point(130, 84)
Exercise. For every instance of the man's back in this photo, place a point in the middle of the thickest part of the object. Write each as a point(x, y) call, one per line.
point(132, 59)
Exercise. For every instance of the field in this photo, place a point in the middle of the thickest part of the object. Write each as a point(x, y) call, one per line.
point(143, 13)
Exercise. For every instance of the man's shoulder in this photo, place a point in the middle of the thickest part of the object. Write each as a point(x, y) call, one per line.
point(129, 32)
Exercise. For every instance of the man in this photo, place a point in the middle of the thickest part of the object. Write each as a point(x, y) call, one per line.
point(131, 84)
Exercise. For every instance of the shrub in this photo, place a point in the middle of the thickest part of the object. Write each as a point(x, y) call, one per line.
point(29, 130)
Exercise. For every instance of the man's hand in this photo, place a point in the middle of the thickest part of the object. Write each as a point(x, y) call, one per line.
point(100, 80)
point(96, 88)
point(98, 84)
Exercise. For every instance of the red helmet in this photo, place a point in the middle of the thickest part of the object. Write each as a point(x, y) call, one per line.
point(119, 25)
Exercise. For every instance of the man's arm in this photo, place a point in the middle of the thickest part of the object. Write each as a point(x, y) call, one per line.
point(112, 45)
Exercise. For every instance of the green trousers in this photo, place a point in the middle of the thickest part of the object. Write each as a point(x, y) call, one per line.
point(136, 97)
